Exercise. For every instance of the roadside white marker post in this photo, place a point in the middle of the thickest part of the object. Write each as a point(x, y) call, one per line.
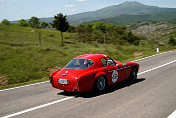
point(157, 49)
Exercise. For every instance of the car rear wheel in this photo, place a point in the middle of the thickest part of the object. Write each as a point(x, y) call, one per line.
point(100, 84)
point(133, 74)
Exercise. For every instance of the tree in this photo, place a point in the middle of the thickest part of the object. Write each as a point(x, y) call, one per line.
point(80, 29)
point(132, 39)
point(71, 29)
point(109, 27)
point(89, 27)
point(172, 41)
point(5, 22)
point(43, 24)
point(61, 24)
point(100, 26)
point(34, 22)
point(23, 23)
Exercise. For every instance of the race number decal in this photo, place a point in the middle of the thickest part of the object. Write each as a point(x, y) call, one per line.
point(114, 76)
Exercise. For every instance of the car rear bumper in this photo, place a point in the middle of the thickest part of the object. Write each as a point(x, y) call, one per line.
point(67, 87)
point(73, 86)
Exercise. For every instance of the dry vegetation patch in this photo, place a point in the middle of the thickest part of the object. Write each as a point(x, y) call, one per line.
point(3, 80)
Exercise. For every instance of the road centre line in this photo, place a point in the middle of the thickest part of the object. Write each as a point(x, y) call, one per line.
point(67, 98)
point(156, 67)
point(48, 81)
point(38, 107)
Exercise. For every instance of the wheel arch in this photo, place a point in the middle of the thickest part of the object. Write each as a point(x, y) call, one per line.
point(135, 66)
point(99, 75)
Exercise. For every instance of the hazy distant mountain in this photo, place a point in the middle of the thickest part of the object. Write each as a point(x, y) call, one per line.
point(130, 19)
point(126, 8)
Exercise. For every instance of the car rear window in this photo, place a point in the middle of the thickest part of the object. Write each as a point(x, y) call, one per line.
point(79, 64)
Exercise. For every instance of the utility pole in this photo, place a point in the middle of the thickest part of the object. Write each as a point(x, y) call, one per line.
point(40, 37)
point(104, 39)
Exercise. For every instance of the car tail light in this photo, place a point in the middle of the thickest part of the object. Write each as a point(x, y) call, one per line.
point(68, 81)
point(51, 79)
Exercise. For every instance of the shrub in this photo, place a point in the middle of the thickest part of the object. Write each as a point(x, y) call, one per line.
point(23, 23)
point(172, 41)
point(5, 22)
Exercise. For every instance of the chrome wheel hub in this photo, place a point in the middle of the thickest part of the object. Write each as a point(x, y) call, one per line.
point(134, 74)
point(101, 83)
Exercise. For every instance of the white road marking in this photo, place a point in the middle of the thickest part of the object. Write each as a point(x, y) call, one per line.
point(151, 56)
point(48, 81)
point(38, 107)
point(24, 86)
point(173, 115)
point(156, 67)
point(67, 98)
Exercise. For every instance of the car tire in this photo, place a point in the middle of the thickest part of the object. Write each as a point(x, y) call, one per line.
point(100, 84)
point(133, 74)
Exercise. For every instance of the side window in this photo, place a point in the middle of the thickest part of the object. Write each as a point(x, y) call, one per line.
point(103, 60)
point(79, 64)
point(88, 62)
point(110, 61)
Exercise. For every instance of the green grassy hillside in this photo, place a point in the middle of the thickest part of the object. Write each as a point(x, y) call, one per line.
point(23, 60)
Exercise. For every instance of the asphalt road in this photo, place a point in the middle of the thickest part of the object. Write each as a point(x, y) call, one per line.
point(153, 95)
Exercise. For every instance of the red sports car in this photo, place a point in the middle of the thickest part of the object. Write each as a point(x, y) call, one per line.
point(92, 71)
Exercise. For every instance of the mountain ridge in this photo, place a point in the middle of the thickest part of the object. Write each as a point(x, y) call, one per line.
point(131, 19)
point(126, 8)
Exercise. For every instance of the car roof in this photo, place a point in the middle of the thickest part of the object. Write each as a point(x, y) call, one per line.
point(91, 56)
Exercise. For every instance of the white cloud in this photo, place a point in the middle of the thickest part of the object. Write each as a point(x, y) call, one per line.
point(73, 10)
point(69, 5)
point(80, 0)
point(2, 0)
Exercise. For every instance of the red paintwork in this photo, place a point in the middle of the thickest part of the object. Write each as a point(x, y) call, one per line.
point(84, 79)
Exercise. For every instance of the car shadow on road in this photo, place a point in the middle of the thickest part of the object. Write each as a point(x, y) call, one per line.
point(90, 94)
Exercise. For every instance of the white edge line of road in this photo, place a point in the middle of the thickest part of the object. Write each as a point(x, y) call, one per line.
point(151, 56)
point(173, 115)
point(48, 81)
point(24, 86)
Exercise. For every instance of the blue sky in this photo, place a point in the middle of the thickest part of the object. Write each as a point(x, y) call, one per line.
point(24, 9)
